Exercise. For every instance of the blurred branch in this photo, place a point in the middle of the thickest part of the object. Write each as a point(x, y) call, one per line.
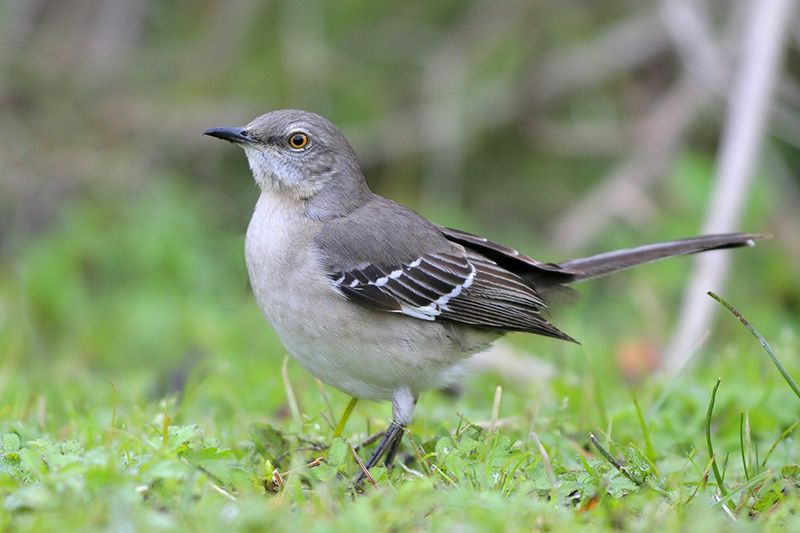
point(17, 25)
point(441, 120)
point(446, 117)
point(689, 25)
point(786, 124)
point(581, 138)
point(794, 30)
point(788, 91)
point(623, 47)
point(786, 218)
point(444, 127)
point(117, 29)
point(658, 135)
point(620, 49)
point(308, 67)
point(748, 108)
point(225, 33)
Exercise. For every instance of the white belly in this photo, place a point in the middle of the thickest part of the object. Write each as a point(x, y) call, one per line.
point(368, 354)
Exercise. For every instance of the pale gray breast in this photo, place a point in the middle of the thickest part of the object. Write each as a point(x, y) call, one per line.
point(277, 249)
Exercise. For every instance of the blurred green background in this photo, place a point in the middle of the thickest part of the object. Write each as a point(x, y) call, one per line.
point(122, 276)
point(122, 226)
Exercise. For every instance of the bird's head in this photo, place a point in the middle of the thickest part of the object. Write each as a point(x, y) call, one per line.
point(303, 156)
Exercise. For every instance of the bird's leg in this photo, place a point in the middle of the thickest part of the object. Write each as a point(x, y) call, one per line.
point(403, 405)
point(403, 402)
point(393, 435)
point(345, 416)
point(392, 451)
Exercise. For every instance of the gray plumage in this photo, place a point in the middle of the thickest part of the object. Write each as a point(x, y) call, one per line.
point(369, 296)
point(361, 251)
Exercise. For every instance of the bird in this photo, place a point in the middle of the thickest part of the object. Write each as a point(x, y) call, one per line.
point(372, 298)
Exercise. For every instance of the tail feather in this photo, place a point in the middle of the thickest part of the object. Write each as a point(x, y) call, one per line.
point(606, 263)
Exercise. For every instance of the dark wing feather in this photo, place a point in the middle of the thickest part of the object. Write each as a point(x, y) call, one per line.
point(421, 288)
point(410, 267)
point(366, 294)
point(550, 279)
point(606, 263)
point(500, 296)
point(467, 288)
point(508, 258)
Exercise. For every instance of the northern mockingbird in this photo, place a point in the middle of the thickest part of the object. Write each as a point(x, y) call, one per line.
point(372, 298)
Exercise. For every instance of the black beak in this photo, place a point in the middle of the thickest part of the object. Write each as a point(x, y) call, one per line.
point(236, 135)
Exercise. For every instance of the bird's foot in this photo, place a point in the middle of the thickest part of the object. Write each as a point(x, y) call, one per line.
point(386, 448)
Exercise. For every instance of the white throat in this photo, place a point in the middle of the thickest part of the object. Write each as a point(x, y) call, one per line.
point(272, 173)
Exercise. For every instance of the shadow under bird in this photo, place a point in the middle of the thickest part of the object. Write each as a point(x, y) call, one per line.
point(374, 299)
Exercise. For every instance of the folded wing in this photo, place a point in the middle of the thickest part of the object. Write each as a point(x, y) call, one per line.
point(458, 285)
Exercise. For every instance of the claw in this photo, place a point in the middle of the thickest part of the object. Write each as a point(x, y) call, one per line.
point(388, 447)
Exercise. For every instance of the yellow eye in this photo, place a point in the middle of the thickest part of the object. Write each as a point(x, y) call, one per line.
point(298, 140)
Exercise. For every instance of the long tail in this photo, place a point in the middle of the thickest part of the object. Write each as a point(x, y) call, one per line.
point(606, 263)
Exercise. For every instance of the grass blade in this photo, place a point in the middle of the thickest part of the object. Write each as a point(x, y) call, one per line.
point(345, 416)
point(610, 458)
point(498, 395)
point(331, 415)
point(548, 466)
point(648, 444)
point(294, 408)
point(742, 446)
point(783, 436)
point(792, 383)
point(714, 465)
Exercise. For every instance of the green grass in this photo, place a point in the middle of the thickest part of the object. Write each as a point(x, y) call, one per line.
point(140, 388)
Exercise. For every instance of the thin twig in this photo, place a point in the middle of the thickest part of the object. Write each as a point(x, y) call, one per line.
point(313, 464)
point(372, 438)
point(405, 468)
point(363, 467)
point(701, 485)
point(499, 423)
point(610, 458)
point(725, 508)
point(222, 491)
point(420, 458)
